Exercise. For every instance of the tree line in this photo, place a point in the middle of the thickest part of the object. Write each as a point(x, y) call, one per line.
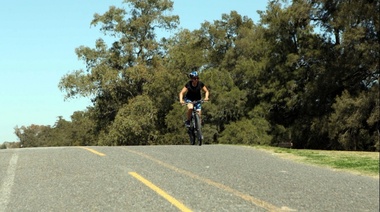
point(306, 73)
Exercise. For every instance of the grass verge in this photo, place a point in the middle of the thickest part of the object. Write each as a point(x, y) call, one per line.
point(362, 163)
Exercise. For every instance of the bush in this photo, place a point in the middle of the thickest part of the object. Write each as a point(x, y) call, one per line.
point(246, 132)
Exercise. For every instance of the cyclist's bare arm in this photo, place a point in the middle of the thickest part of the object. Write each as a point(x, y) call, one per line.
point(206, 93)
point(183, 91)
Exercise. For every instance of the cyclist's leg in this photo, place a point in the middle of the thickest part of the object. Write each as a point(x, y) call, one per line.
point(190, 108)
point(198, 108)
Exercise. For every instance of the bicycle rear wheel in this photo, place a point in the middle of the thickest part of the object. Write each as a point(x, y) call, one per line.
point(198, 128)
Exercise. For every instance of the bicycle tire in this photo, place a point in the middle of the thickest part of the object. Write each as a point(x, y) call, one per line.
point(197, 127)
point(191, 133)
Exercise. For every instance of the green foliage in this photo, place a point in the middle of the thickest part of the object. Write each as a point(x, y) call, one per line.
point(163, 91)
point(185, 51)
point(134, 124)
point(2, 146)
point(252, 132)
point(78, 132)
point(352, 122)
point(175, 129)
point(33, 135)
point(227, 101)
point(119, 73)
point(83, 129)
point(174, 117)
point(306, 73)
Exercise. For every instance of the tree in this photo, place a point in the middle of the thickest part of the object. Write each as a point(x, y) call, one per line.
point(119, 73)
point(306, 73)
point(294, 58)
point(3, 146)
point(30, 136)
point(245, 131)
point(218, 39)
point(83, 128)
point(176, 132)
point(134, 124)
point(351, 31)
point(353, 122)
point(185, 52)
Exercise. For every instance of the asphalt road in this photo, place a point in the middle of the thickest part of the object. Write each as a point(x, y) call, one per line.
point(174, 178)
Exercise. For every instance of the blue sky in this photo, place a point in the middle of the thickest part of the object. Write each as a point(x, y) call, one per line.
point(37, 47)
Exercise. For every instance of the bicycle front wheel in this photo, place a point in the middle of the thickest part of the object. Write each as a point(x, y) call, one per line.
point(198, 128)
point(191, 133)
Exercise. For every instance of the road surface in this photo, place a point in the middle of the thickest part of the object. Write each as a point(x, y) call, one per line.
point(174, 178)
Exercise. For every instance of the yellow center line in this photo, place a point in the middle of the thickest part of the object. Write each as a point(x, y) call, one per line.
point(237, 193)
point(165, 195)
point(93, 151)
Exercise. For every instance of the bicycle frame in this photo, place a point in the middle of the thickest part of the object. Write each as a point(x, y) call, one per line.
point(195, 131)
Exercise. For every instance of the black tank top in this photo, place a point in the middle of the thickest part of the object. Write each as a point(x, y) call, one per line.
point(194, 93)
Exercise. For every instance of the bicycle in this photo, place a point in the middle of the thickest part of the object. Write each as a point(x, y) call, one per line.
point(195, 129)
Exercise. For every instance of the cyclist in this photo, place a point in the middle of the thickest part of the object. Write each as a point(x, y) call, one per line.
point(193, 93)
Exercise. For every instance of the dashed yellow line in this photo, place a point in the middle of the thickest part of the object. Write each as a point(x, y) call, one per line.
point(246, 197)
point(94, 151)
point(165, 195)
